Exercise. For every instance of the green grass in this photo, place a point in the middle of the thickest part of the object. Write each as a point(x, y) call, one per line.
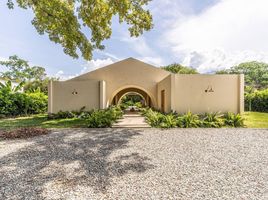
point(256, 120)
point(41, 121)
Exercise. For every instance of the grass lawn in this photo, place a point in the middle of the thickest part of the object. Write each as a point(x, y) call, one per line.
point(40, 121)
point(256, 120)
point(252, 120)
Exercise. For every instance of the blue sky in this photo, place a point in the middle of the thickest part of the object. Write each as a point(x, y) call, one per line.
point(207, 35)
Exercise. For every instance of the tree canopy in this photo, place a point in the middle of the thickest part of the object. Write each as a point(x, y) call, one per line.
point(20, 70)
point(179, 69)
point(63, 20)
point(256, 73)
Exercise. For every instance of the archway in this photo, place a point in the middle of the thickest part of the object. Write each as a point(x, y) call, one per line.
point(117, 98)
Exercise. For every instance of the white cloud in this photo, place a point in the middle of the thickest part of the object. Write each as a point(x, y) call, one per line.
point(225, 34)
point(95, 64)
point(156, 61)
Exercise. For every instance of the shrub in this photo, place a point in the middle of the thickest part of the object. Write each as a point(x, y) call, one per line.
point(70, 114)
point(233, 120)
point(211, 120)
point(154, 118)
point(257, 101)
point(189, 120)
point(37, 102)
point(168, 121)
point(14, 103)
point(104, 118)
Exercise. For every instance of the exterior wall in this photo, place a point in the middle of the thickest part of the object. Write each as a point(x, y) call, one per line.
point(190, 95)
point(165, 85)
point(61, 97)
point(129, 73)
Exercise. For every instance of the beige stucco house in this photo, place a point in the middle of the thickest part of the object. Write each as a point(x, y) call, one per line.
point(160, 89)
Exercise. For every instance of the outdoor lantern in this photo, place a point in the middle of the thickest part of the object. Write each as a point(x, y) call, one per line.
point(74, 92)
point(209, 89)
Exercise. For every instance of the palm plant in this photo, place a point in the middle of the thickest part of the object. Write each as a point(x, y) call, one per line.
point(7, 87)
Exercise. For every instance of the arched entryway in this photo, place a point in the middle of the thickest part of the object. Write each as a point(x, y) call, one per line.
point(132, 91)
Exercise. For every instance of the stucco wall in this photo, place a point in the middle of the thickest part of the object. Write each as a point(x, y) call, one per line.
point(126, 74)
point(61, 97)
point(165, 84)
point(189, 93)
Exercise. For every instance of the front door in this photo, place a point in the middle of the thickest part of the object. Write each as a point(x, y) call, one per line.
point(163, 100)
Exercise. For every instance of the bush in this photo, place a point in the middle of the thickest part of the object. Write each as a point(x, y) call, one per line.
point(104, 118)
point(168, 121)
point(16, 103)
point(70, 114)
point(211, 120)
point(233, 120)
point(257, 101)
point(189, 120)
point(154, 118)
point(37, 102)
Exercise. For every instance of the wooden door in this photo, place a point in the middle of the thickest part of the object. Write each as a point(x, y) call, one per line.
point(163, 100)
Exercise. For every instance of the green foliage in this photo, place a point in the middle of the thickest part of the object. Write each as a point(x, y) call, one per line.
point(8, 87)
point(20, 70)
point(104, 118)
point(257, 101)
point(233, 120)
point(37, 102)
point(179, 69)
point(211, 120)
point(13, 103)
point(189, 120)
point(256, 73)
point(154, 118)
point(70, 114)
point(168, 121)
point(131, 100)
point(63, 21)
point(31, 86)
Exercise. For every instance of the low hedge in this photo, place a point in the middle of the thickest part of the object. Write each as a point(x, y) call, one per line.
point(16, 103)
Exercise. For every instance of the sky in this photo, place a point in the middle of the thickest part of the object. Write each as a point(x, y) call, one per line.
point(208, 35)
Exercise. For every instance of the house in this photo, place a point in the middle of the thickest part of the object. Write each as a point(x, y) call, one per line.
point(160, 89)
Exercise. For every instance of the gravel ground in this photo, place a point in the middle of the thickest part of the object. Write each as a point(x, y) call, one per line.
point(137, 164)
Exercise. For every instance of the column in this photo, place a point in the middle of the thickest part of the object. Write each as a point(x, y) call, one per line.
point(102, 94)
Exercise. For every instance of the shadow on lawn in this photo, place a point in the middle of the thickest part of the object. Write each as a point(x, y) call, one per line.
point(66, 160)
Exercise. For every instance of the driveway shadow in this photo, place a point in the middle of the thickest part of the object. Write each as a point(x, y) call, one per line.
point(69, 158)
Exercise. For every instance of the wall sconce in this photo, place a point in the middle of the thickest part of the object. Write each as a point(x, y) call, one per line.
point(74, 92)
point(209, 89)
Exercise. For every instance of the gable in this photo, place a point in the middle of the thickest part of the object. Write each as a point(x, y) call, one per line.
point(129, 69)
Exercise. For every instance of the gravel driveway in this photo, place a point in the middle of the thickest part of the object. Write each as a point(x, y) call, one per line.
point(137, 164)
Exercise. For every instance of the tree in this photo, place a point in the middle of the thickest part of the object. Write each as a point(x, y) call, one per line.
point(19, 70)
point(62, 20)
point(256, 73)
point(179, 69)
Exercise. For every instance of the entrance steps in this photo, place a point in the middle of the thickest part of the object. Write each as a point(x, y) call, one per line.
point(134, 120)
